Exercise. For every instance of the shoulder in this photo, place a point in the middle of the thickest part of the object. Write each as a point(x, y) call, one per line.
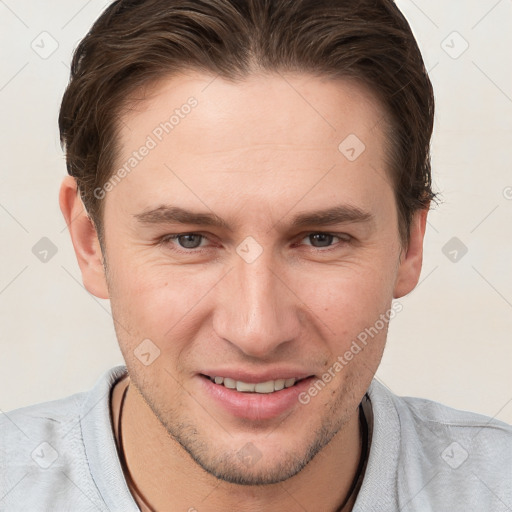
point(44, 463)
point(30, 431)
point(426, 419)
point(423, 418)
point(445, 458)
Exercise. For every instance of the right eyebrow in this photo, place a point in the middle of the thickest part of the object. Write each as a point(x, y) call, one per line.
point(167, 214)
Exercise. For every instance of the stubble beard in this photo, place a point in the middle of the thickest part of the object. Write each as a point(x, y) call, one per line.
point(228, 465)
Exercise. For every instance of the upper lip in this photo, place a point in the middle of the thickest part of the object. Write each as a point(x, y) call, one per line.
point(253, 377)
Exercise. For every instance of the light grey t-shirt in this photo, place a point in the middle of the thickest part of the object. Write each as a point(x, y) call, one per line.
point(61, 456)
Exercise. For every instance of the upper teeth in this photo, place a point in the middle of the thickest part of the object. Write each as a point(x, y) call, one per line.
point(260, 387)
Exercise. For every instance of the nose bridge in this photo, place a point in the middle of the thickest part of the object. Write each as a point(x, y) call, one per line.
point(257, 313)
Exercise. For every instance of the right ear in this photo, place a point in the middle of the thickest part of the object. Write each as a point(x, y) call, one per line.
point(84, 237)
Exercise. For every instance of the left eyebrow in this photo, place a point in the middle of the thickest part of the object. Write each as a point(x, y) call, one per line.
point(342, 214)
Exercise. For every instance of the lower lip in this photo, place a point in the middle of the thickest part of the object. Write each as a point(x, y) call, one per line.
point(255, 406)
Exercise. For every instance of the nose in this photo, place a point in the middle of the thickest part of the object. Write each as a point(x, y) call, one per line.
point(256, 309)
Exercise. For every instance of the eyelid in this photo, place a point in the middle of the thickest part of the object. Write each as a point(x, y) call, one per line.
point(174, 236)
point(344, 238)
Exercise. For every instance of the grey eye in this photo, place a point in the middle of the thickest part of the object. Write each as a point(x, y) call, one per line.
point(323, 239)
point(190, 241)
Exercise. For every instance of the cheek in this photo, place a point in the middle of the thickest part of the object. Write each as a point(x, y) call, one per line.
point(348, 300)
point(354, 309)
point(159, 302)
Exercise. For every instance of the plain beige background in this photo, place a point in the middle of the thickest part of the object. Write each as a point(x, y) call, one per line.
point(451, 342)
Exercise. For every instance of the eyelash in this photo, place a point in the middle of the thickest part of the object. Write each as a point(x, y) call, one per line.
point(344, 239)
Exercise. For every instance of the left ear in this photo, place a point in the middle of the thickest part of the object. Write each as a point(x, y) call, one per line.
point(411, 260)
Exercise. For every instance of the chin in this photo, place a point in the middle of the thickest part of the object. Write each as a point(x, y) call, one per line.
point(248, 459)
point(249, 466)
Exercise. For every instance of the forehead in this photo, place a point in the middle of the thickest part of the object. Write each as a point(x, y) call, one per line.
point(270, 136)
point(253, 110)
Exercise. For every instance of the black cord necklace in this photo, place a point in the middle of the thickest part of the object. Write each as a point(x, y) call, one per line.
point(129, 480)
point(363, 425)
point(356, 483)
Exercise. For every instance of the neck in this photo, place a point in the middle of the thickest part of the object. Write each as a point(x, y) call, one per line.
point(165, 477)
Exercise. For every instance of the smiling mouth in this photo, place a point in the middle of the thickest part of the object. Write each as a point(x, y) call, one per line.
point(269, 386)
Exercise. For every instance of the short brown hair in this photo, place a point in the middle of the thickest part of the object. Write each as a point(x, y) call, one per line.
point(137, 42)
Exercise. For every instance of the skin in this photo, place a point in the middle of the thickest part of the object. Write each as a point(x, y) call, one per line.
point(255, 153)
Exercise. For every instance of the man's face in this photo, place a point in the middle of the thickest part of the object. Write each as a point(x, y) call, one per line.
point(259, 298)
